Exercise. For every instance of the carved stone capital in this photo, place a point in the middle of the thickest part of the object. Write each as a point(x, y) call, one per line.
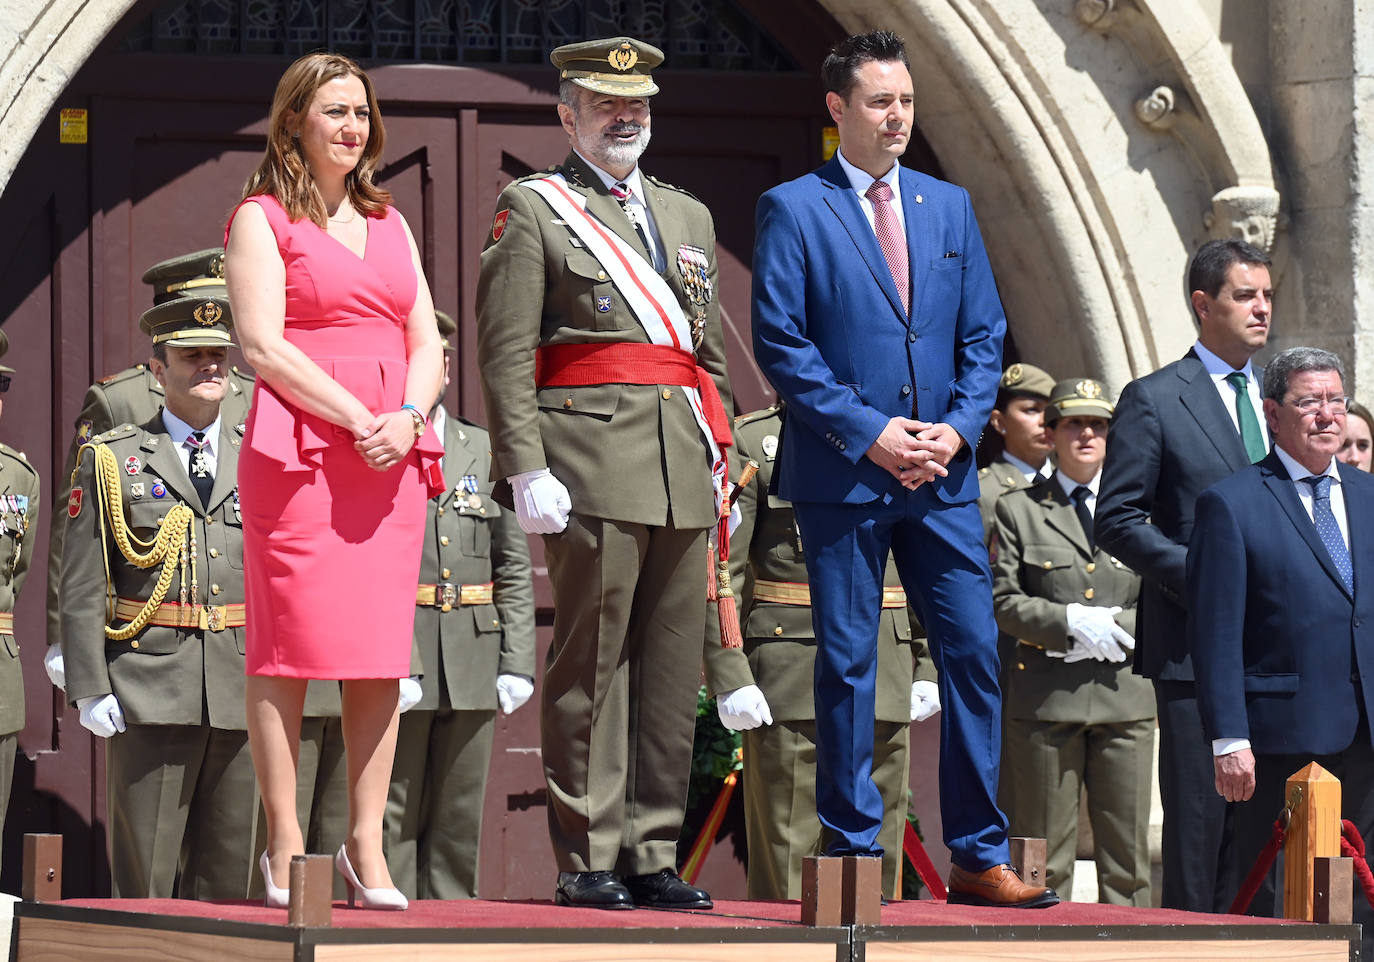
point(1244, 213)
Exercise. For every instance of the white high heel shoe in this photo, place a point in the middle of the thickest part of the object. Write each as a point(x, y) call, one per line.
point(378, 898)
point(276, 898)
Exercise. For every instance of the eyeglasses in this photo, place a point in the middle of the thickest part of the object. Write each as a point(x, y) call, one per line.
point(1311, 405)
point(4, 383)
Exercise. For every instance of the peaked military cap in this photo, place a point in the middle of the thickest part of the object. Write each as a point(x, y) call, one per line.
point(190, 322)
point(4, 349)
point(1079, 396)
point(447, 328)
point(1027, 379)
point(619, 66)
point(187, 275)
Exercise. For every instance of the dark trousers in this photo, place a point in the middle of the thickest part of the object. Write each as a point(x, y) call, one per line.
point(1198, 849)
point(943, 564)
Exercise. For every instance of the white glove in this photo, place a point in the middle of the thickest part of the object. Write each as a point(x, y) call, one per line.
point(542, 503)
point(55, 666)
point(411, 693)
point(925, 699)
point(1075, 653)
point(101, 715)
point(512, 691)
point(743, 709)
point(1099, 634)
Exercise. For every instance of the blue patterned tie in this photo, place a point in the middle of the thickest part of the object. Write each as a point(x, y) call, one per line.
point(1325, 520)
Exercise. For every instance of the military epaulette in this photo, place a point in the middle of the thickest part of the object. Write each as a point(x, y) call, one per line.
point(984, 472)
point(667, 186)
point(18, 456)
point(114, 434)
point(242, 375)
point(468, 422)
point(124, 375)
point(751, 416)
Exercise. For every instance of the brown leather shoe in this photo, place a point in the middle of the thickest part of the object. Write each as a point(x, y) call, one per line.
point(998, 886)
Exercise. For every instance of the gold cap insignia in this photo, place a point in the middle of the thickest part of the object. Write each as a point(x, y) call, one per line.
point(217, 266)
point(1012, 375)
point(623, 57)
point(208, 313)
point(1088, 389)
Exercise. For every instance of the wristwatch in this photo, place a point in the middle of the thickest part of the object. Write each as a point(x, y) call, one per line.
point(420, 422)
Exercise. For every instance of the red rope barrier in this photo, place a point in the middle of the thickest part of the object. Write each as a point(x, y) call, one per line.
point(1246, 895)
point(925, 868)
point(1352, 846)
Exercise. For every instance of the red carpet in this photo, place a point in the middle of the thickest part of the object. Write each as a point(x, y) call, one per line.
point(546, 915)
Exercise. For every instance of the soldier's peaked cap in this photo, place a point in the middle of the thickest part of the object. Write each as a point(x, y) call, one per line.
point(187, 275)
point(619, 66)
point(189, 322)
point(1079, 396)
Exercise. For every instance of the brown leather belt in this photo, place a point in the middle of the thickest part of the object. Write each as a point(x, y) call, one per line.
point(172, 615)
point(796, 593)
point(6, 622)
point(447, 596)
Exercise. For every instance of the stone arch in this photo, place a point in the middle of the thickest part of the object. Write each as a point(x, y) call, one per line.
point(1101, 139)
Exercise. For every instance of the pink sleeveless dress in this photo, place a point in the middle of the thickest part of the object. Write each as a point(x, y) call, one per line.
point(331, 548)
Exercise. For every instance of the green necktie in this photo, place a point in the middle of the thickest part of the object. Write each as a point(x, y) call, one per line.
point(1250, 434)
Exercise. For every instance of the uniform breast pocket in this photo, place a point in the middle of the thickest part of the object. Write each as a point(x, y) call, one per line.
point(1042, 566)
point(474, 537)
point(146, 515)
point(598, 306)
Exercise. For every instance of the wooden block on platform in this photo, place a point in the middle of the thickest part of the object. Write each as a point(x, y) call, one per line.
point(42, 873)
point(861, 897)
point(1333, 890)
point(312, 891)
point(1028, 858)
point(822, 890)
point(1313, 797)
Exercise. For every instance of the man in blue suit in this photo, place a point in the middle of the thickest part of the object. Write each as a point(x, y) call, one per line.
point(877, 320)
point(1281, 613)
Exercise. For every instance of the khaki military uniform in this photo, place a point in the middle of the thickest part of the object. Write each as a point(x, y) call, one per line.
point(629, 572)
point(19, 489)
point(482, 626)
point(766, 561)
point(1086, 723)
point(180, 787)
point(997, 479)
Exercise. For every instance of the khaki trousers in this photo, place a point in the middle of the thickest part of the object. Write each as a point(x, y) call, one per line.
point(618, 705)
point(434, 809)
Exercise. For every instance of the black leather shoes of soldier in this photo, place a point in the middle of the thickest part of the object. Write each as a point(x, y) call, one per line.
point(664, 890)
point(592, 890)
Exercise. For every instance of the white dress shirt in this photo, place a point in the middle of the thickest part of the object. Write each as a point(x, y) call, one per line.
point(860, 181)
point(639, 211)
point(1217, 369)
point(1028, 472)
point(179, 431)
point(1070, 485)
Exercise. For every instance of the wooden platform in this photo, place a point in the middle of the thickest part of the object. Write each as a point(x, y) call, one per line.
point(132, 930)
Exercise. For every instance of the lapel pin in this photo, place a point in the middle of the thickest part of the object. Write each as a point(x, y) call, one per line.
point(920, 199)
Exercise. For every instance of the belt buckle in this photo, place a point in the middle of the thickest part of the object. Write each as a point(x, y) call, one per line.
point(448, 596)
point(212, 617)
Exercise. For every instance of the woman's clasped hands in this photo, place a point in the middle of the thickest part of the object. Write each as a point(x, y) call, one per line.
point(385, 441)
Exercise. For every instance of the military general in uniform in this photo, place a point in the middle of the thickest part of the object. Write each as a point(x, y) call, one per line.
point(18, 523)
point(152, 622)
point(474, 635)
point(765, 689)
point(603, 369)
point(1076, 715)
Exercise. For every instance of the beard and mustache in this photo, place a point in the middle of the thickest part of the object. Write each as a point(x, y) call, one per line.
point(609, 152)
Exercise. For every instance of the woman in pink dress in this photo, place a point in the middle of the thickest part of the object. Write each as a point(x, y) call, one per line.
point(332, 310)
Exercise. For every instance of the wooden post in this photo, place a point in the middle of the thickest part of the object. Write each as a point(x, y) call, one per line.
point(1028, 857)
point(311, 902)
point(1333, 891)
point(42, 870)
point(1314, 800)
point(862, 890)
point(821, 892)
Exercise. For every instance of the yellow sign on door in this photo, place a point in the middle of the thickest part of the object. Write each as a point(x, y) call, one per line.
point(72, 125)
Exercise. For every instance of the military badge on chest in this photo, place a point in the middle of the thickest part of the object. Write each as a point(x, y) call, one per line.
point(692, 267)
point(14, 517)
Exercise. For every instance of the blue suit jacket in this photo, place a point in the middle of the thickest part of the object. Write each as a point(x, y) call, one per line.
point(832, 337)
point(1276, 639)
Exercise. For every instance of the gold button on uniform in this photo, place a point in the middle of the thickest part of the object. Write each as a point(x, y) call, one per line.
point(446, 607)
point(1088, 594)
point(1048, 565)
point(214, 552)
point(567, 403)
point(667, 394)
point(214, 589)
point(1090, 567)
point(441, 510)
point(1020, 666)
point(443, 540)
point(601, 275)
point(446, 573)
point(495, 623)
point(777, 630)
point(133, 644)
point(209, 520)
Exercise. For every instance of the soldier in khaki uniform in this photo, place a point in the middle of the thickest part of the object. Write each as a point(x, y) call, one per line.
point(766, 688)
point(152, 622)
point(1018, 420)
point(593, 368)
point(474, 636)
point(18, 517)
point(1077, 716)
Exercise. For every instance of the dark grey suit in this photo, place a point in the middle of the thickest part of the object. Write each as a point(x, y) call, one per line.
point(1172, 437)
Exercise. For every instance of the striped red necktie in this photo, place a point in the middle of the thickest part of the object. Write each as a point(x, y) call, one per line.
point(891, 239)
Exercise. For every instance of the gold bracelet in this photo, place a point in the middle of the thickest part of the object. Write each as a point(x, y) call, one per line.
point(419, 420)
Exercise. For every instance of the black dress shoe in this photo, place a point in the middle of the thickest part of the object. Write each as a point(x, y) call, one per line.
point(592, 890)
point(664, 890)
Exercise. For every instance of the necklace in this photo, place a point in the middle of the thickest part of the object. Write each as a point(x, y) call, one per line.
point(352, 216)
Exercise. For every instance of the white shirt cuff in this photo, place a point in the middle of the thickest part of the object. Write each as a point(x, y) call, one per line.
point(1227, 746)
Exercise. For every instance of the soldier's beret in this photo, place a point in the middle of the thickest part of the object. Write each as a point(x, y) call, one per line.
point(190, 322)
point(187, 275)
point(1079, 396)
point(1027, 379)
point(619, 66)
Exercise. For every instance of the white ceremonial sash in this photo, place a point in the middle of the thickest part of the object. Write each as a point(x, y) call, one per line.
point(650, 299)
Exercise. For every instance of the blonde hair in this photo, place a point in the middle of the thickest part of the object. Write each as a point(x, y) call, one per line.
point(283, 172)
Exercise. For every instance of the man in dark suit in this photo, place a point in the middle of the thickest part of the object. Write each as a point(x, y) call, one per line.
point(1178, 431)
point(1281, 623)
point(878, 322)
